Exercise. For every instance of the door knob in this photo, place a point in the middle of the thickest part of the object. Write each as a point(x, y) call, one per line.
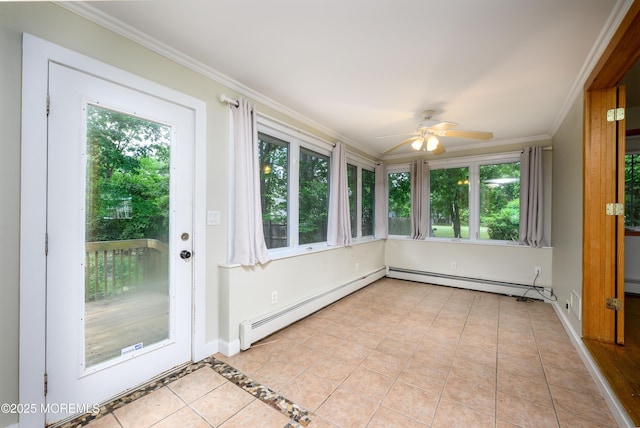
point(185, 254)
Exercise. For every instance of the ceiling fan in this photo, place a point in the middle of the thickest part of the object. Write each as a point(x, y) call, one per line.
point(425, 137)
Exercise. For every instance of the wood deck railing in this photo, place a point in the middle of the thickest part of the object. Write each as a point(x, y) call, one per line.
point(114, 267)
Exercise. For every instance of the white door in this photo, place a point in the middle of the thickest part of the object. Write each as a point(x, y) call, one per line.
point(119, 227)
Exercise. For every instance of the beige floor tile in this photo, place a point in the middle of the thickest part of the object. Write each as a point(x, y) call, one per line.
point(383, 363)
point(430, 379)
point(570, 420)
point(308, 390)
point(532, 389)
point(222, 403)
point(372, 385)
point(480, 355)
point(106, 421)
point(588, 406)
point(248, 361)
point(346, 409)
point(369, 339)
point(451, 414)
point(320, 422)
point(470, 394)
point(277, 373)
point(523, 364)
point(333, 369)
point(149, 409)
point(387, 418)
point(397, 348)
point(411, 401)
point(524, 413)
point(474, 372)
point(257, 414)
point(183, 418)
point(576, 381)
point(196, 384)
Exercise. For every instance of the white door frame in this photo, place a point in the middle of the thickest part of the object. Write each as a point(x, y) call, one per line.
point(37, 54)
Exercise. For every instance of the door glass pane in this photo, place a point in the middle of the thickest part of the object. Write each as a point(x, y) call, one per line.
point(127, 235)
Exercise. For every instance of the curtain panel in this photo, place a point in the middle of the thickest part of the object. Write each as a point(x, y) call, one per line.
point(339, 218)
point(249, 246)
point(531, 230)
point(419, 173)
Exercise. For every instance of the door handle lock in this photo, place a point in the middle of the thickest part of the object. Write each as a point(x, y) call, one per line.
point(185, 254)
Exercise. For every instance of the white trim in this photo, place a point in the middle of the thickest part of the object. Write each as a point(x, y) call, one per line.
point(230, 348)
point(616, 408)
point(37, 54)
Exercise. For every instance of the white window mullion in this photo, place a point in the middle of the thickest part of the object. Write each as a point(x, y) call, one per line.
point(474, 202)
point(294, 187)
point(359, 202)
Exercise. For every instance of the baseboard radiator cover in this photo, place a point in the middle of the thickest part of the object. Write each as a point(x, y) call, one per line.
point(479, 284)
point(253, 330)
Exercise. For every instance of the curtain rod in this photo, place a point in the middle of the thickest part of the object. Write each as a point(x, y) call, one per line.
point(544, 149)
point(226, 100)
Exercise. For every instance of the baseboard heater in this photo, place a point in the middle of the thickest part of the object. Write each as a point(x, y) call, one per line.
point(463, 281)
point(253, 330)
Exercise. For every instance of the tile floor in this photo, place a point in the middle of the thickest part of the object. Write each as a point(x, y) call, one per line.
point(395, 354)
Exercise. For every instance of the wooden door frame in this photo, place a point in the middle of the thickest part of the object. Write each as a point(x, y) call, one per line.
point(603, 265)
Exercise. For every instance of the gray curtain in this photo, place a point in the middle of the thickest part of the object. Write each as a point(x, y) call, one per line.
point(531, 231)
point(380, 216)
point(339, 221)
point(249, 246)
point(419, 173)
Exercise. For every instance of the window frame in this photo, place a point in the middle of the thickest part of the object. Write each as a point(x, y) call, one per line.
point(296, 139)
point(473, 163)
point(395, 169)
point(361, 163)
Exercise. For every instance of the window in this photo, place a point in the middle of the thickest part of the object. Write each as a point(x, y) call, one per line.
point(399, 203)
point(352, 182)
point(313, 196)
point(294, 186)
point(368, 201)
point(450, 203)
point(500, 201)
point(475, 198)
point(632, 190)
point(274, 188)
point(362, 181)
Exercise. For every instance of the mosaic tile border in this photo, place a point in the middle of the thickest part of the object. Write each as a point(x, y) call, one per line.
point(298, 415)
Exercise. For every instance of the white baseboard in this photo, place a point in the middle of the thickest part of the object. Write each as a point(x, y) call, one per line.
point(616, 408)
point(229, 348)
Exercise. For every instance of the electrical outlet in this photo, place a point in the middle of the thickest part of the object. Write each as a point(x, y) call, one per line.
point(454, 266)
point(274, 297)
point(537, 270)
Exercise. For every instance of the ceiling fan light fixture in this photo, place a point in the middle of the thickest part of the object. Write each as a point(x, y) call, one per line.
point(432, 143)
point(417, 144)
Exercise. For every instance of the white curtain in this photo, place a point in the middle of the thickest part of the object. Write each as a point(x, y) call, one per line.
point(531, 231)
point(419, 173)
point(248, 237)
point(381, 218)
point(339, 221)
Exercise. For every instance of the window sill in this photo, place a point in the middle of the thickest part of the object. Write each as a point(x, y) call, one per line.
point(284, 253)
point(466, 241)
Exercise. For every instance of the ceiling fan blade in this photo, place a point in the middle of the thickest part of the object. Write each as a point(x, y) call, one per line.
point(400, 144)
point(439, 150)
point(441, 126)
point(476, 135)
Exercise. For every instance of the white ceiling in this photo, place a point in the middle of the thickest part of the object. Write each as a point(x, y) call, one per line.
point(365, 68)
